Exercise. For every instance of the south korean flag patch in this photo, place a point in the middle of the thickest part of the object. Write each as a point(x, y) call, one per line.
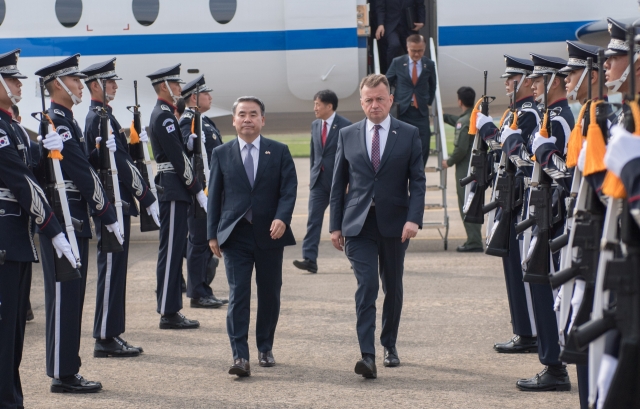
point(458, 125)
point(171, 128)
point(169, 125)
point(4, 141)
point(64, 133)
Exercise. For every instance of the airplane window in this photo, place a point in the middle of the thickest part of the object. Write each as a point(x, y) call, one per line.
point(223, 11)
point(146, 11)
point(68, 12)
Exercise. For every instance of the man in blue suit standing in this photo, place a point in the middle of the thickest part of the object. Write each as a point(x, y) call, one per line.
point(324, 142)
point(380, 160)
point(252, 193)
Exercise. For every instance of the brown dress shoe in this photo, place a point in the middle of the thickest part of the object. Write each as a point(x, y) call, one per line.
point(240, 368)
point(265, 359)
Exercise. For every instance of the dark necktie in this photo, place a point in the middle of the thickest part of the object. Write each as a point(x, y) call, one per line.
point(248, 168)
point(414, 79)
point(375, 147)
point(324, 133)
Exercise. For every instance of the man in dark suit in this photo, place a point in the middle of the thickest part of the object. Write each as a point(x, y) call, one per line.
point(379, 160)
point(252, 192)
point(392, 17)
point(324, 141)
point(414, 79)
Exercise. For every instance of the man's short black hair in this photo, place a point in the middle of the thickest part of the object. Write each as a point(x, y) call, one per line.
point(249, 99)
point(327, 97)
point(467, 95)
point(180, 106)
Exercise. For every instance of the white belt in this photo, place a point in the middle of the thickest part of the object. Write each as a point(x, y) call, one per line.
point(69, 186)
point(5, 194)
point(165, 167)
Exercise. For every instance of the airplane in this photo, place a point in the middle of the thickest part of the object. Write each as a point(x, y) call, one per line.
point(283, 51)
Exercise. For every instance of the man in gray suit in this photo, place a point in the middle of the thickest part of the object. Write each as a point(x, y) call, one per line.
point(324, 141)
point(414, 79)
point(379, 159)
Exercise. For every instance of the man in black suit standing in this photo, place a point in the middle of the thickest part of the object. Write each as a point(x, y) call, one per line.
point(324, 141)
point(252, 192)
point(393, 19)
point(379, 160)
point(414, 79)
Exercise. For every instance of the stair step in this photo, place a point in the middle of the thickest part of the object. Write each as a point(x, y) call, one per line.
point(432, 206)
point(432, 169)
point(433, 188)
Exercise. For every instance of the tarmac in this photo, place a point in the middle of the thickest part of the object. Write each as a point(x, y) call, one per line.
point(455, 308)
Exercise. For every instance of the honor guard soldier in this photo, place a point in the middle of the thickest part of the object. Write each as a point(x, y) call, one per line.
point(22, 202)
point(200, 259)
point(180, 185)
point(550, 153)
point(64, 300)
point(109, 321)
point(518, 293)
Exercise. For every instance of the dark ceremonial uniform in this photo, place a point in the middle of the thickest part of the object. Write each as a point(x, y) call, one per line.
point(518, 293)
point(64, 300)
point(180, 184)
point(198, 252)
point(22, 202)
point(109, 319)
point(554, 376)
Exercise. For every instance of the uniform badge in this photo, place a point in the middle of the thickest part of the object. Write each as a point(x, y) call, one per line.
point(458, 125)
point(527, 105)
point(4, 141)
point(59, 112)
point(267, 153)
point(170, 128)
point(169, 125)
point(214, 137)
point(165, 108)
point(64, 133)
point(207, 125)
point(187, 115)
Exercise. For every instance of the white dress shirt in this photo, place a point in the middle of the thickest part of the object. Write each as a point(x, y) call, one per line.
point(255, 152)
point(419, 63)
point(383, 132)
point(329, 122)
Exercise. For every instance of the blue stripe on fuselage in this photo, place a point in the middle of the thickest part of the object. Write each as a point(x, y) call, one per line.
point(509, 33)
point(185, 43)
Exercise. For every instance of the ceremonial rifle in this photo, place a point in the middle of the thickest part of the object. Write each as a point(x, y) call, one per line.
point(197, 161)
point(108, 173)
point(56, 193)
point(140, 153)
point(480, 170)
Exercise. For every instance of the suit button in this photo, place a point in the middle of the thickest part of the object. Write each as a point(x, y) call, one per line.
point(1, 211)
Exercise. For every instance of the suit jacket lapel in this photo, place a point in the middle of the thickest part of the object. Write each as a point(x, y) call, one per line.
point(263, 159)
point(362, 130)
point(236, 158)
point(333, 132)
point(317, 136)
point(391, 140)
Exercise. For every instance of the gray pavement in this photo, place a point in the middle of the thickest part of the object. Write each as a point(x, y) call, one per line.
point(455, 308)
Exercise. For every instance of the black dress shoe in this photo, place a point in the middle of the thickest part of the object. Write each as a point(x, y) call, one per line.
point(113, 347)
point(74, 384)
point(30, 316)
point(518, 344)
point(549, 379)
point(391, 357)
point(306, 264)
point(265, 359)
point(367, 368)
point(177, 321)
point(465, 249)
point(240, 368)
point(220, 300)
point(129, 345)
point(205, 302)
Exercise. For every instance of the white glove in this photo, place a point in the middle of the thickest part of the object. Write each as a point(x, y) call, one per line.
point(143, 136)
point(154, 213)
point(583, 156)
point(540, 140)
point(98, 140)
point(202, 200)
point(53, 141)
point(482, 120)
point(62, 246)
point(192, 138)
point(507, 132)
point(115, 229)
point(111, 143)
point(622, 148)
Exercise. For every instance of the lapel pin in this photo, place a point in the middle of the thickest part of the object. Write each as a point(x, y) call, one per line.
point(267, 153)
point(393, 131)
point(334, 126)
